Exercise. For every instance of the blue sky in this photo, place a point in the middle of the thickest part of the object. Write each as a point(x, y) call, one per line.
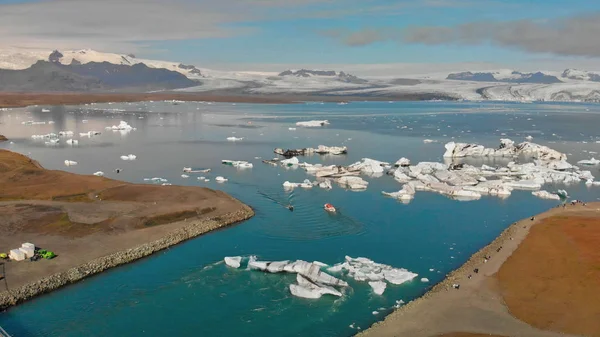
point(249, 33)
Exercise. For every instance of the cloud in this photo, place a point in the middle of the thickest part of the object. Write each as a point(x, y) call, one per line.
point(356, 38)
point(572, 36)
point(126, 25)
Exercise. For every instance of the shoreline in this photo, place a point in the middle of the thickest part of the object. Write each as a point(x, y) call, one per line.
point(25, 99)
point(45, 285)
point(500, 249)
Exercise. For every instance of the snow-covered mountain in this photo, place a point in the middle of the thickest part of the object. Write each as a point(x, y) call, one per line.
point(17, 59)
point(498, 76)
point(331, 74)
point(581, 75)
point(500, 84)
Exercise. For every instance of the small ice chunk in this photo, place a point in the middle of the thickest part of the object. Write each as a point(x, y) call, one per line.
point(70, 163)
point(233, 261)
point(424, 280)
point(234, 139)
point(220, 179)
point(184, 176)
point(129, 157)
point(99, 174)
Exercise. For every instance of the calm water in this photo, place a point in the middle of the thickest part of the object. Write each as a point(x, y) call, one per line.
point(188, 291)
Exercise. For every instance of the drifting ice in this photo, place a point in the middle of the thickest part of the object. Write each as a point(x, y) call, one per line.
point(233, 262)
point(70, 163)
point(311, 124)
point(129, 157)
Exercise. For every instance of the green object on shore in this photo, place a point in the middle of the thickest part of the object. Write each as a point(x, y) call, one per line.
point(46, 254)
point(3, 256)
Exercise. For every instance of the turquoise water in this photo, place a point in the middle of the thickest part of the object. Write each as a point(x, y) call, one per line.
point(187, 291)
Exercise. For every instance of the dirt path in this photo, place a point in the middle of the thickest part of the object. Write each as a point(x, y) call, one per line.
point(477, 306)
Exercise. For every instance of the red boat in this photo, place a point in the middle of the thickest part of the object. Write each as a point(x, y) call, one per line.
point(329, 208)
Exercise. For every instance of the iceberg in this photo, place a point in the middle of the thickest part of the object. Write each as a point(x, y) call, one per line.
point(402, 162)
point(321, 149)
point(234, 163)
point(129, 157)
point(546, 195)
point(70, 163)
point(312, 124)
point(589, 162)
point(99, 174)
point(72, 142)
point(367, 165)
point(123, 126)
point(407, 193)
point(353, 183)
point(234, 139)
point(378, 287)
point(290, 162)
point(233, 261)
point(326, 184)
point(307, 289)
point(220, 179)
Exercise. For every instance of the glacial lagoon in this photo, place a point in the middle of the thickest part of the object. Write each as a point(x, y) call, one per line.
point(187, 290)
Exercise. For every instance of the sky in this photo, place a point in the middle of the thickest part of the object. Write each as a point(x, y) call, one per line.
point(365, 36)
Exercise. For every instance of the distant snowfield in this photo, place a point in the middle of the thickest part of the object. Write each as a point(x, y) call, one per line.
point(577, 85)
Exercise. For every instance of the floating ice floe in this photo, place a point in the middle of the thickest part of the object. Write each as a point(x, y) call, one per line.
point(52, 142)
point(99, 174)
point(193, 170)
point(310, 289)
point(365, 270)
point(312, 124)
point(529, 138)
point(325, 184)
point(237, 163)
point(72, 142)
point(428, 141)
point(220, 179)
point(123, 126)
point(129, 157)
point(424, 280)
point(335, 150)
point(353, 183)
point(66, 133)
point(290, 162)
point(70, 163)
point(234, 139)
point(292, 129)
point(290, 186)
point(546, 195)
point(406, 194)
point(589, 162)
point(402, 162)
point(368, 166)
point(233, 261)
point(89, 134)
point(184, 176)
point(378, 287)
point(156, 180)
point(507, 148)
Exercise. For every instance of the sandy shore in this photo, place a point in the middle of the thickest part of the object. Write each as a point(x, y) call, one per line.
point(478, 307)
point(94, 223)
